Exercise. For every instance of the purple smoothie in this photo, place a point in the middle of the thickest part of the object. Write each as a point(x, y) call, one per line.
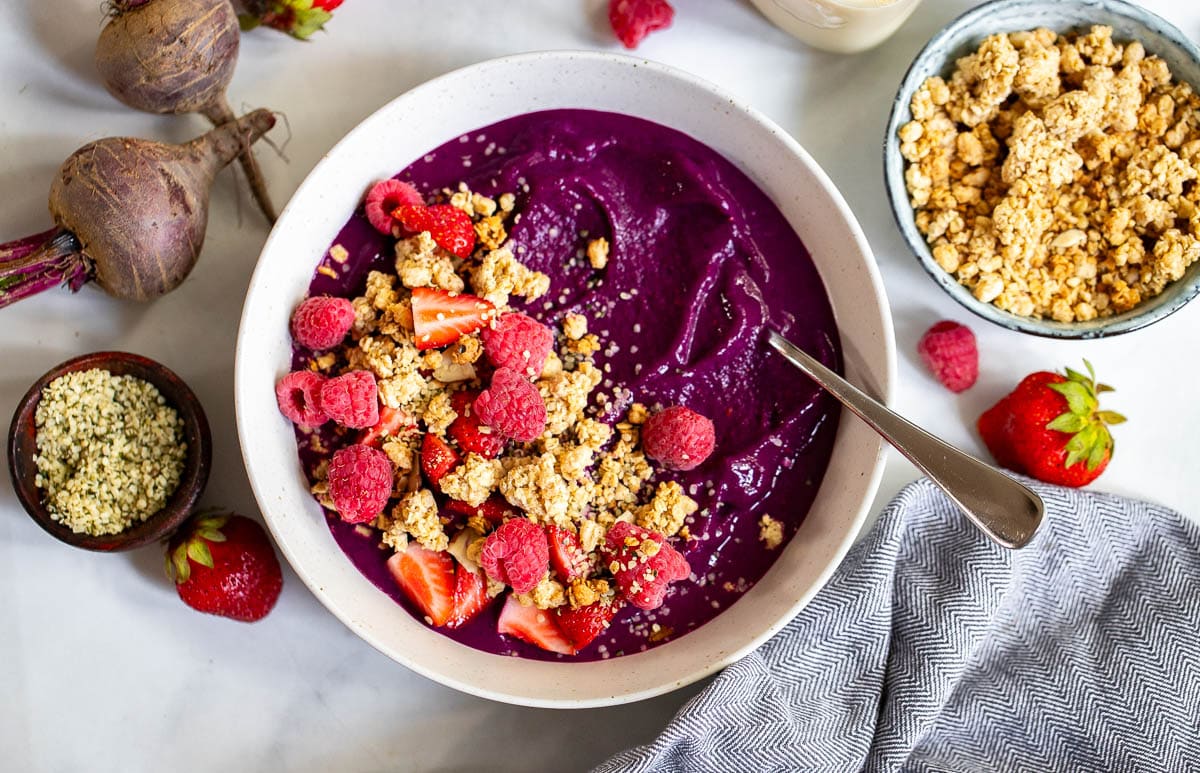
point(701, 262)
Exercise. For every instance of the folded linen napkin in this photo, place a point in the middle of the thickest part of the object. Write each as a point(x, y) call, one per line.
point(931, 649)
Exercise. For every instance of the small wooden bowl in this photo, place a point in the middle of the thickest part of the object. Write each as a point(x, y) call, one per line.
point(22, 446)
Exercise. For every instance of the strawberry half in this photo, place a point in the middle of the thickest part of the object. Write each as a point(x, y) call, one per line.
point(223, 564)
point(437, 458)
point(427, 579)
point(440, 318)
point(448, 226)
point(584, 624)
point(495, 510)
point(468, 432)
point(533, 625)
point(567, 558)
point(470, 596)
point(392, 422)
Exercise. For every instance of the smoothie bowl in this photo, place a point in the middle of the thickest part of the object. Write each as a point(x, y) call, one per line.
point(557, 463)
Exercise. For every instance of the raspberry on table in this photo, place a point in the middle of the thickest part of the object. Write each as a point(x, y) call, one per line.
point(518, 341)
point(322, 322)
point(384, 198)
point(352, 399)
point(643, 564)
point(678, 438)
point(299, 398)
point(633, 20)
point(360, 482)
point(948, 349)
point(516, 554)
point(512, 407)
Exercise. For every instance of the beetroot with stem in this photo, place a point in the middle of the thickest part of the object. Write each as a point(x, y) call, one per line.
point(176, 56)
point(130, 215)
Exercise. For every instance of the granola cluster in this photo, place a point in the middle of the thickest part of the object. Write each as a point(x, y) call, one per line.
point(1055, 175)
point(581, 475)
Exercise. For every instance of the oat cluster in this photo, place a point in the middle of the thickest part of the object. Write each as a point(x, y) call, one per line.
point(1055, 175)
point(582, 474)
point(110, 451)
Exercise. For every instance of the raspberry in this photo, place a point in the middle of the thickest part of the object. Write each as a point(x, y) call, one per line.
point(322, 322)
point(465, 429)
point(384, 198)
point(643, 573)
point(299, 397)
point(352, 399)
point(678, 438)
point(518, 341)
point(949, 352)
point(360, 482)
point(516, 554)
point(512, 407)
point(633, 20)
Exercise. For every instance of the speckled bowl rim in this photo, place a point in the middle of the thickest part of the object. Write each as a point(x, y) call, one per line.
point(1158, 308)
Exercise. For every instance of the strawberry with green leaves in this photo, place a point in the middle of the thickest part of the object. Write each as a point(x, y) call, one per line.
point(298, 18)
point(223, 564)
point(1052, 428)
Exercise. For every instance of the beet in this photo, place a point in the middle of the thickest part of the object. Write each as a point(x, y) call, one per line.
point(176, 56)
point(130, 215)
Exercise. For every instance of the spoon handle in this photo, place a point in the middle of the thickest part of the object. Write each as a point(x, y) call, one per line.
point(1000, 506)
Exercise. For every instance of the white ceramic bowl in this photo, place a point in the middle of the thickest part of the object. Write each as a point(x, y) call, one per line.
point(405, 130)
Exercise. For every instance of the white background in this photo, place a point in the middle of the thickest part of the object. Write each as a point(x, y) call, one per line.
point(102, 668)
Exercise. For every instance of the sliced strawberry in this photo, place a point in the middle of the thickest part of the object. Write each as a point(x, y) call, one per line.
point(427, 579)
point(567, 558)
point(468, 432)
point(391, 422)
point(440, 318)
point(533, 625)
point(583, 625)
point(447, 225)
point(437, 458)
point(495, 510)
point(470, 595)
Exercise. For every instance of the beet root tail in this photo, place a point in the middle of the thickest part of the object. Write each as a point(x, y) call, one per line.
point(36, 263)
point(221, 115)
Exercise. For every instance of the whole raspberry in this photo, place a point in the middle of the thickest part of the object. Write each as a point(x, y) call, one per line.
point(352, 399)
point(643, 564)
point(360, 482)
point(384, 198)
point(299, 398)
point(322, 322)
point(516, 554)
point(949, 352)
point(678, 438)
point(518, 341)
point(633, 20)
point(512, 407)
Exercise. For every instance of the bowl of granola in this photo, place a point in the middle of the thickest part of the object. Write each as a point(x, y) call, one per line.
point(512, 419)
point(1041, 160)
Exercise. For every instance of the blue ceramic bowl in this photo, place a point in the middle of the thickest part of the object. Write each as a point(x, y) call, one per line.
point(962, 37)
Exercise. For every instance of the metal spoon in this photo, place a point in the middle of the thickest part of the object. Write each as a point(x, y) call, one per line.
point(1000, 506)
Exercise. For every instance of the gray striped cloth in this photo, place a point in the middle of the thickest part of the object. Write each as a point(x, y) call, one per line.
point(933, 650)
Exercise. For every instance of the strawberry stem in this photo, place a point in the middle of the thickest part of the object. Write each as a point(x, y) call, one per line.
point(36, 263)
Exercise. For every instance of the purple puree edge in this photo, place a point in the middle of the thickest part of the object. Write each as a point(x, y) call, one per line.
point(701, 260)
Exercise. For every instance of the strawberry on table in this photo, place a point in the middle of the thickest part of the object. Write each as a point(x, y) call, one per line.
point(584, 624)
point(437, 458)
point(298, 18)
point(440, 318)
point(447, 225)
point(535, 626)
point(223, 564)
point(1051, 427)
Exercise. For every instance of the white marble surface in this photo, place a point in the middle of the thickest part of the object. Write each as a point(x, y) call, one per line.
point(105, 670)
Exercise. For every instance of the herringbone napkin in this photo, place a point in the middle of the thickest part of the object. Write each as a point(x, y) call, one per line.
point(933, 650)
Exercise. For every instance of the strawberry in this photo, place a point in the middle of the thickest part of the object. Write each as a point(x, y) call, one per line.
point(466, 430)
point(495, 510)
point(427, 579)
point(298, 18)
point(1051, 427)
point(470, 596)
point(223, 564)
point(533, 625)
point(567, 558)
point(440, 318)
point(391, 422)
point(437, 458)
point(448, 226)
point(584, 624)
